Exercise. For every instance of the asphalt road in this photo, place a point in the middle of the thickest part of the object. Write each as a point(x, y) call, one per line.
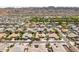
point(72, 48)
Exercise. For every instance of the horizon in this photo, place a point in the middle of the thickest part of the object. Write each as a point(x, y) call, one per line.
point(42, 7)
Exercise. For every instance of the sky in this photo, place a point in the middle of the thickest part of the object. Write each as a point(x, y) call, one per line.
point(39, 3)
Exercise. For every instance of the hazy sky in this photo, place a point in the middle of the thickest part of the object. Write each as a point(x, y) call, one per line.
point(39, 3)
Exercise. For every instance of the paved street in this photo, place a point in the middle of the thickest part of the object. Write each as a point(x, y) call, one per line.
point(19, 47)
point(73, 48)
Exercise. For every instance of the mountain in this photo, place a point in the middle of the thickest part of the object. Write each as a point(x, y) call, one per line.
point(53, 11)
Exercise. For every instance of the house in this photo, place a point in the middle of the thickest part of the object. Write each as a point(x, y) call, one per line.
point(53, 35)
point(2, 35)
point(14, 35)
point(40, 35)
point(64, 30)
point(72, 35)
point(27, 35)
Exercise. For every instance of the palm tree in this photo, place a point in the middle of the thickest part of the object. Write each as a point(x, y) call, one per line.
point(21, 34)
point(49, 47)
point(8, 33)
point(8, 49)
